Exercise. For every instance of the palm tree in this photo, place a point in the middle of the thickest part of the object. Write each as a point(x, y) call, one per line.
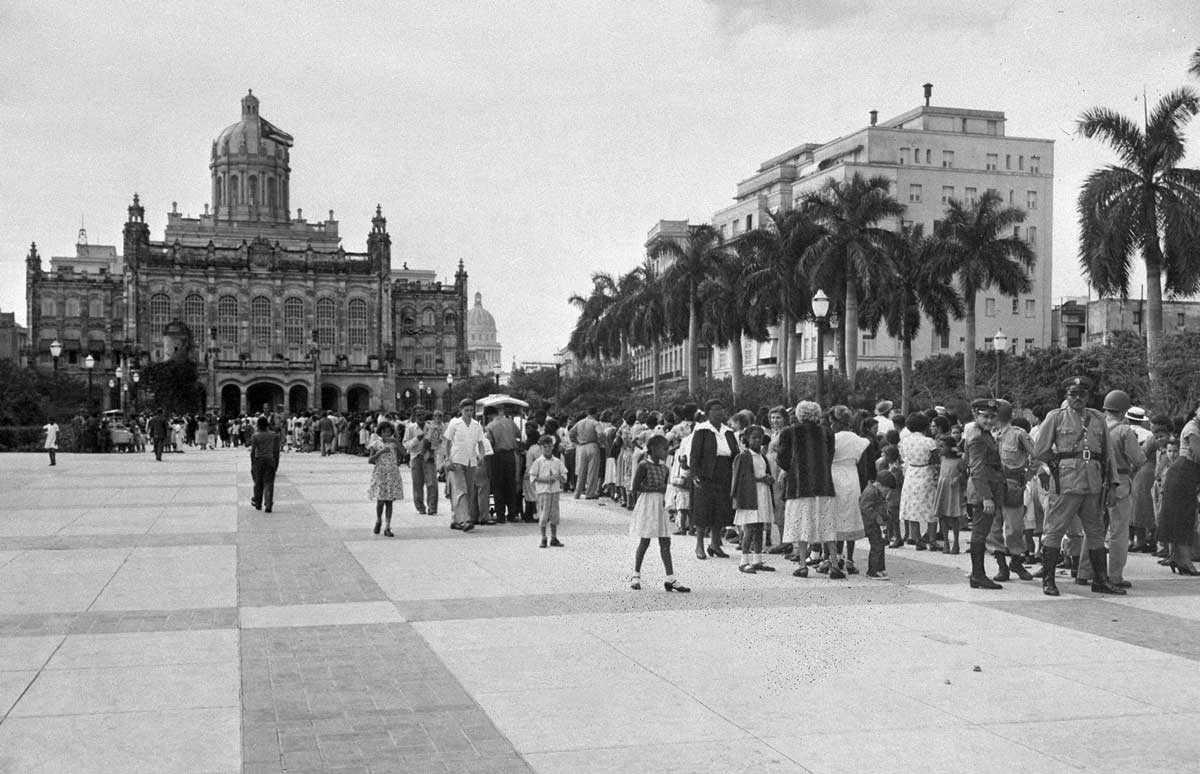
point(1145, 204)
point(853, 255)
point(592, 335)
point(694, 259)
point(980, 257)
point(777, 282)
point(730, 312)
point(922, 287)
point(1194, 67)
point(647, 321)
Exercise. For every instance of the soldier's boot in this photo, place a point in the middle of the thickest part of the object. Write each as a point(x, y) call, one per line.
point(1002, 575)
point(1073, 566)
point(1049, 562)
point(979, 578)
point(1100, 582)
point(1015, 565)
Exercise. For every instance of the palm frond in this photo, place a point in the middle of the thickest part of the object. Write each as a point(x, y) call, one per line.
point(1122, 134)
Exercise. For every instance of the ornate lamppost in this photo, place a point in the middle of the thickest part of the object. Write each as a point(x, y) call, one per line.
point(820, 308)
point(999, 343)
point(55, 351)
point(89, 363)
point(449, 393)
point(421, 393)
point(120, 374)
point(137, 377)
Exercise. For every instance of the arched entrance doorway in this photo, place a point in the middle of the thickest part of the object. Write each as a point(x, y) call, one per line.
point(358, 399)
point(263, 396)
point(329, 397)
point(297, 399)
point(231, 400)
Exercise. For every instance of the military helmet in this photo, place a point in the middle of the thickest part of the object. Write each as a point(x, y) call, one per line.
point(1117, 400)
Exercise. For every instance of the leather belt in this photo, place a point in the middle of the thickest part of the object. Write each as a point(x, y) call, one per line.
point(1085, 454)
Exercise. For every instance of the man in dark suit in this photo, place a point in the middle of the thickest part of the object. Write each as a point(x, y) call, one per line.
point(158, 429)
point(710, 462)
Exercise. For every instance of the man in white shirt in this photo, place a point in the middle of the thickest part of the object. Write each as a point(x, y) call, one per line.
point(883, 418)
point(51, 428)
point(464, 444)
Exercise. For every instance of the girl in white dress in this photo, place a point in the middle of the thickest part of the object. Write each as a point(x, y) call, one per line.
point(752, 499)
point(650, 513)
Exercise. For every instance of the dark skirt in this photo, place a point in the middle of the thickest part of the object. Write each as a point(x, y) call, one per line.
point(1180, 484)
point(712, 504)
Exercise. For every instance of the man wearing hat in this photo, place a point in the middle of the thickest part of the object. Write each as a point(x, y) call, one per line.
point(985, 486)
point(1007, 539)
point(1073, 441)
point(1128, 458)
point(883, 421)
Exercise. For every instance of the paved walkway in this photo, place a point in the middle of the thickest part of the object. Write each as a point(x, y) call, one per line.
point(151, 621)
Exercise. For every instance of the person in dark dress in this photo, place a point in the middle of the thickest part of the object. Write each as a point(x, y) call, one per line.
point(1180, 484)
point(713, 447)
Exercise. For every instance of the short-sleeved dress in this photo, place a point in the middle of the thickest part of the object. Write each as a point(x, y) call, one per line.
point(765, 512)
point(386, 481)
point(919, 496)
point(650, 513)
point(950, 502)
point(848, 447)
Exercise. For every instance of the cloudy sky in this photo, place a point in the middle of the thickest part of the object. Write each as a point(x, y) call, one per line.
point(536, 141)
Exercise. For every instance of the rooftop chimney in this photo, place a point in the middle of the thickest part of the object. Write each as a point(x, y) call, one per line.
point(874, 117)
point(928, 93)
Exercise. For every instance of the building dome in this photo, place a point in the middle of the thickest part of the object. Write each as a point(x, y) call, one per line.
point(480, 320)
point(250, 168)
point(482, 347)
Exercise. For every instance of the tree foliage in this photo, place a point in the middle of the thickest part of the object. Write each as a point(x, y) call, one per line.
point(174, 386)
point(30, 396)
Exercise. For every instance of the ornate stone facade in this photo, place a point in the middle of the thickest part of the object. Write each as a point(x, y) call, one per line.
point(272, 308)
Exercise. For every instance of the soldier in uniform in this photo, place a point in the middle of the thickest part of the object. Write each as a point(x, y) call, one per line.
point(1007, 539)
point(1073, 441)
point(985, 486)
point(1128, 458)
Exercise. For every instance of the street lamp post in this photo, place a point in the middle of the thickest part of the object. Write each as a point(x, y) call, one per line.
point(496, 373)
point(830, 357)
point(89, 363)
point(421, 393)
point(449, 393)
point(55, 351)
point(120, 374)
point(558, 364)
point(137, 377)
point(820, 308)
point(999, 343)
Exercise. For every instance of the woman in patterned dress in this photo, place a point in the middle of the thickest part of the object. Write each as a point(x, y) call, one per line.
point(918, 499)
point(386, 483)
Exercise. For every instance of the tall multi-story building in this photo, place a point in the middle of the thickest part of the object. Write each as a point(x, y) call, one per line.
point(273, 310)
point(931, 155)
point(1080, 322)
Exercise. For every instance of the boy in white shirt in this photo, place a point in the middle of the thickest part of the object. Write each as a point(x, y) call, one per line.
point(548, 474)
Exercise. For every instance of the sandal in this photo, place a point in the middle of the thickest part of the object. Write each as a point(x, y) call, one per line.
point(635, 582)
point(674, 585)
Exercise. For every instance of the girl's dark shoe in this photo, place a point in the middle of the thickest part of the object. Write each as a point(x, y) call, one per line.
point(835, 573)
point(746, 568)
point(388, 532)
point(764, 567)
point(800, 573)
point(635, 582)
point(378, 526)
point(554, 543)
point(717, 552)
point(674, 585)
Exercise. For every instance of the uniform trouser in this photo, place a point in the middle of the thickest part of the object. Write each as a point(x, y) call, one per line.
point(263, 473)
point(1063, 508)
point(588, 467)
point(875, 559)
point(981, 523)
point(1008, 531)
point(462, 491)
point(504, 484)
point(424, 484)
point(158, 448)
point(1120, 514)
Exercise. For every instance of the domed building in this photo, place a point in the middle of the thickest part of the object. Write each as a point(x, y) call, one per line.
point(271, 308)
point(482, 347)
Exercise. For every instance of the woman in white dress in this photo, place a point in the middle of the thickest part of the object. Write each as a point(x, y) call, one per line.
point(848, 448)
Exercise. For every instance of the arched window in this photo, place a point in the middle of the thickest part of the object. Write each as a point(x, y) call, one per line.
point(49, 308)
point(260, 321)
point(233, 190)
point(193, 317)
point(72, 307)
point(357, 314)
point(271, 198)
point(252, 190)
point(326, 322)
point(427, 318)
point(451, 318)
point(293, 321)
point(96, 308)
point(227, 319)
point(160, 312)
point(408, 317)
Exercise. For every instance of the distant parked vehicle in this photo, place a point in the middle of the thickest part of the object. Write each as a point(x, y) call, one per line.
point(119, 434)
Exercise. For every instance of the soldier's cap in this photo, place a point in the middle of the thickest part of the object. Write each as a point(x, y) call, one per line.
point(985, 404)
point(1077, 384)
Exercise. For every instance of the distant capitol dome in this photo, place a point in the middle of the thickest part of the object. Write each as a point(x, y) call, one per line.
point(482, 346)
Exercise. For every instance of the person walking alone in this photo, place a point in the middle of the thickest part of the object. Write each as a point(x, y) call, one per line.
point(264, 461)
point(159, 429)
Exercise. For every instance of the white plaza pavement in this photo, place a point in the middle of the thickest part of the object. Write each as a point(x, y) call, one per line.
point(151, 621)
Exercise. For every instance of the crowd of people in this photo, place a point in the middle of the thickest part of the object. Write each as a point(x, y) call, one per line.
point(1070, 489)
